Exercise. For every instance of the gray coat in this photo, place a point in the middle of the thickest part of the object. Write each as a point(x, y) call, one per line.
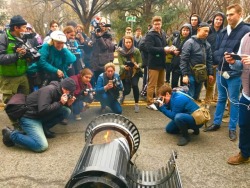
point(193, 53)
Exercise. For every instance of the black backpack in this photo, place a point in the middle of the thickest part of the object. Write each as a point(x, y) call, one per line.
point(16, 106)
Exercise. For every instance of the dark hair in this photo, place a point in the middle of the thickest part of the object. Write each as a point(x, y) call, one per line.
point(53, 22)
point(12, 28)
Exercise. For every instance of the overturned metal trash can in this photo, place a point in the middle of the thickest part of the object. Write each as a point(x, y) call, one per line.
point(108, 165)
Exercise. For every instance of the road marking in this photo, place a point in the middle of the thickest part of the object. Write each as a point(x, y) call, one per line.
point(126, 103)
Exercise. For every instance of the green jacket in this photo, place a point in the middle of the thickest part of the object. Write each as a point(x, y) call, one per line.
point(10, 64)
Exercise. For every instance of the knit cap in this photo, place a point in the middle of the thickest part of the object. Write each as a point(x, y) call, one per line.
point(69, 84)
point(17, 21)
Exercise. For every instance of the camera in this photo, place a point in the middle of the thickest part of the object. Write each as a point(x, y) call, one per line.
point(31, 53)
point(70, 96)
point(116, 81)
point(129, 63)
point(97, 26)
point(73, 48)
point(158, 100)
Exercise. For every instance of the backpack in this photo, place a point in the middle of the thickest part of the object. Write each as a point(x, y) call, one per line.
point(16, 106)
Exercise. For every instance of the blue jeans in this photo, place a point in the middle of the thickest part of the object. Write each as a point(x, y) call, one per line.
point(179, 120)
point(34, 138)
point(194, 87)
point(77, 106)
point(232, 85)
point(244, 119)
point(107, 100)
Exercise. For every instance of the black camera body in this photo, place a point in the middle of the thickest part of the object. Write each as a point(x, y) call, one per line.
point(31, 52)
point(98, 28)
point(157, 101)
point(116, 82)
point(129, 64)
point(71, 47)
point(70, 96)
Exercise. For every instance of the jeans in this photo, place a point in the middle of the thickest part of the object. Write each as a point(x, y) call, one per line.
point(232, 86)
point(194, 87)
point(244, 125)
point(34, 138)
point(77, 106)
point(107, 100)
point(179, 120)
point(127, 87)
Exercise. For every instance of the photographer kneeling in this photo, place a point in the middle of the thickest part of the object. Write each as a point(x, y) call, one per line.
point(46, 107)
point(178, 106)
point(84, 92)
point(107, 89)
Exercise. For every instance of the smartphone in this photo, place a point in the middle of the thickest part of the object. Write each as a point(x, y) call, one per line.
point(235, 56)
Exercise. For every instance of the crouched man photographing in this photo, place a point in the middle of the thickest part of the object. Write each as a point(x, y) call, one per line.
point(46, 107)
point(178, 106)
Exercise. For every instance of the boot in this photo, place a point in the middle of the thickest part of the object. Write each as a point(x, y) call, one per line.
point(184, 139)
point(48, 133)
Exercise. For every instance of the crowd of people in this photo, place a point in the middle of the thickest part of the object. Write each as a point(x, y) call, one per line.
point(70, 69)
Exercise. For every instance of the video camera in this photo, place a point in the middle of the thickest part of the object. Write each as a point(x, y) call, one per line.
point(73, 48)
point(90, 92)
point(97, 26)
point(31, 52)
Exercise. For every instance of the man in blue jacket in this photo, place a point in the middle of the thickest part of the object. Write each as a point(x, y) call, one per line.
point(178, 106)
point(228, 80)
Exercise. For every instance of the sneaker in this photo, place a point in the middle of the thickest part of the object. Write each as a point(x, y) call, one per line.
point(152, 106)
point(6, 132)
point(137, 108)
point(64, 122)
point(122, 98)
point(238, 159)
point(232, 135)
point(183, 141)
point(78, 117)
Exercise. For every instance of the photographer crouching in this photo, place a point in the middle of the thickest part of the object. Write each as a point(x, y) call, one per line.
point(46, 107)
point(107, 89)
point(178, 106)
point(84, 92)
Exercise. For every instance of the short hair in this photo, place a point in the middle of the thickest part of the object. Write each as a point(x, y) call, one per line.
point(86, 71)
point(128, 37)
point(166, 88)
point(156, 19)
point(128, 29)
point(195, 15)
point(138, 28)
point(68, 29)
point(53, 22)
point(236, 6)
point(109, 65)
point(12, 28)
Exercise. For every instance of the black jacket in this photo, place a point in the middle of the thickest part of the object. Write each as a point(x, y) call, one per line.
point(44, 101)
point(193, 53)
point(229, 44)
point(155, 43)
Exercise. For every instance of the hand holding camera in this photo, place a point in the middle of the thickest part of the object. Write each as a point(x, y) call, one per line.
point(64, 98)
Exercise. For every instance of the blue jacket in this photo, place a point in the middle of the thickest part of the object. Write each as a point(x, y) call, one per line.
point(179, 103)
point(229, 44)
point(103, 81)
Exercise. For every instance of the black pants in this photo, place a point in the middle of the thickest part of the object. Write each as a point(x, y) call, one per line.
point(176, 76)
point(133, 82)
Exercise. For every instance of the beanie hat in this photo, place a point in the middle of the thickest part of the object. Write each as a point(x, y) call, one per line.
point(17, 21)
point(69, 84)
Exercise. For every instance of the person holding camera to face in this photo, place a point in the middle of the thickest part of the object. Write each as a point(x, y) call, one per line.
point(178, 106)
point(84, 92)
point(13, 64)
point(103, 47)
point(130, 62)
point(46, 107)
point(107, 89)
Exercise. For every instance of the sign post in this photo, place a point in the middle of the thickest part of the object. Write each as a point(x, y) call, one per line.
point(131, 19)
